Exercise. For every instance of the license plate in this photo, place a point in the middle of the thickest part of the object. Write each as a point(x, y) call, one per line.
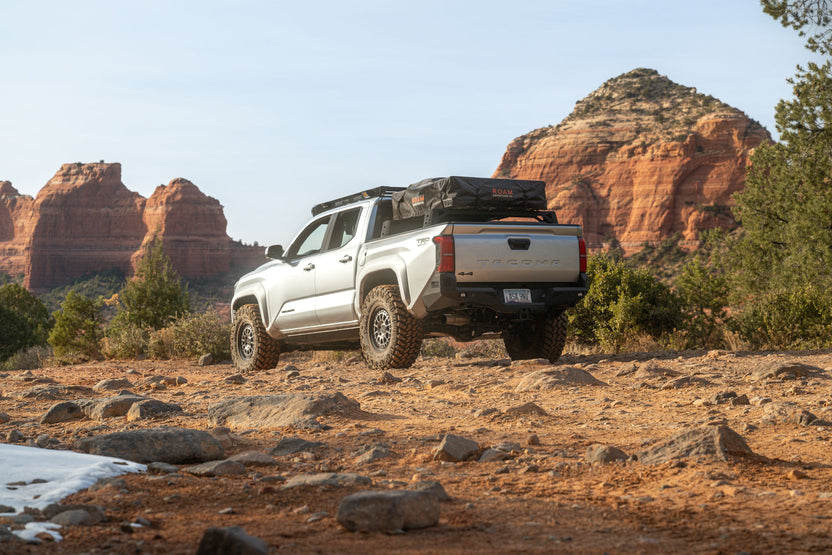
point(517, 295)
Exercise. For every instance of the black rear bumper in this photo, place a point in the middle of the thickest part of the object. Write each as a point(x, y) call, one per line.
point(445, 292)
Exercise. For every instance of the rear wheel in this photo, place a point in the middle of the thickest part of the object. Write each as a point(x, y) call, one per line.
point(543, 337)
point(252, 348)
point(391, 337)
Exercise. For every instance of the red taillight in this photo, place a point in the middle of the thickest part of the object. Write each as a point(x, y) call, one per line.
point(582, 253)
point(445, 252)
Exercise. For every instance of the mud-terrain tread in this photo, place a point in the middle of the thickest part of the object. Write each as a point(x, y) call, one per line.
point(406, 336)
point(266, 350)
point(545, 338)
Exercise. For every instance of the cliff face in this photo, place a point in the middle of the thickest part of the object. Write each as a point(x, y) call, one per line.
point(85, 220)
point(639, 160)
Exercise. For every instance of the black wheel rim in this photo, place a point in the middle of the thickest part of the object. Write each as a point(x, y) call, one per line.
point(382, 329)
point(245, 343)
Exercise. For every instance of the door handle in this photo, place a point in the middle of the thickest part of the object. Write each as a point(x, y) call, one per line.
point(309, 267)
point(346, 258)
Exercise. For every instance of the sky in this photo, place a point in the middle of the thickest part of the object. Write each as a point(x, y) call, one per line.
point(57, 474)
point(272, 106)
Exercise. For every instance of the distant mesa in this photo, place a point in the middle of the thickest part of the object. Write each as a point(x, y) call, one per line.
point(640, 160)
point(85, 220)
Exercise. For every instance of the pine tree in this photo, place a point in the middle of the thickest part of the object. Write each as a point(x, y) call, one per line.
point(155, 295)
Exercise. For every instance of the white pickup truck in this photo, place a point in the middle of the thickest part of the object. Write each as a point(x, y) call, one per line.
point(358, 276)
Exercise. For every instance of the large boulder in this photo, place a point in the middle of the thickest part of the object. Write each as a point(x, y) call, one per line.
point(276, 411)
point(703, 442)
point(170, 445)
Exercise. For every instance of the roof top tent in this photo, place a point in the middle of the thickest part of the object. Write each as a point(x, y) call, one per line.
point(471, 195)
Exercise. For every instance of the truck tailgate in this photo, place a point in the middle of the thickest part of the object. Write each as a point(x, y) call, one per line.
point(516, 252)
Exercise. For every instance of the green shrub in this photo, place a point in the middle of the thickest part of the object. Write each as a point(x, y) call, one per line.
point(438, 347)
point(623, 304)
point(155, 296)
point(704, 294)
point(796, 318)
point(24, 320)
point(77, 330)
point(192, 335)
point(124, 340)
point(31, 358)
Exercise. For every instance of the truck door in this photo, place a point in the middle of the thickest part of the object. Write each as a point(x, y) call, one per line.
point(294, 304)
point(335, 271)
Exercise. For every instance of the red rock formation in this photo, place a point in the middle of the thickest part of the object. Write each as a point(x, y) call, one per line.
point(15, 215)
point(192, 227)
point(639, 160)
point(85, 221)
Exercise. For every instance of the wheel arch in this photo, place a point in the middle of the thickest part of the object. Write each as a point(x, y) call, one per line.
point(376, 278)
point(250, 297)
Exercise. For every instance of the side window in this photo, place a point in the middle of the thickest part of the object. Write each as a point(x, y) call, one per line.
point(311, 240)
point(343, 230)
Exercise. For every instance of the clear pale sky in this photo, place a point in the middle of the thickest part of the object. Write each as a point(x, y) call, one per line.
point(272, 106)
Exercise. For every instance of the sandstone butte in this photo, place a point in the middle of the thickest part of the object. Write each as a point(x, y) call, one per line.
point(640, 160)
point(85, 220)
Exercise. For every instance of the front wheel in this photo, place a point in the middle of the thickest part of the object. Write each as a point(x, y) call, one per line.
point(252, 348)
point(390, 336)
point(543, 337)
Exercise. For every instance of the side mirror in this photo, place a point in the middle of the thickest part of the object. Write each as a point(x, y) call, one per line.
point(274, 252)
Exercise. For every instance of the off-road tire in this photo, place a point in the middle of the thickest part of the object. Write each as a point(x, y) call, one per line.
point(390, 336)
point(543, 337)
point(252, 348)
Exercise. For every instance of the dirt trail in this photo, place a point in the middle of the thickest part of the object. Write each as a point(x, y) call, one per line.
point(543, 497)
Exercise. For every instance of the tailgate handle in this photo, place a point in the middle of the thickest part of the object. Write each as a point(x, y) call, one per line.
point(519, 244)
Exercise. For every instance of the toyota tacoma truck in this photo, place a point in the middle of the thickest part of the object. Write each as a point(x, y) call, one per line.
point(382, 269)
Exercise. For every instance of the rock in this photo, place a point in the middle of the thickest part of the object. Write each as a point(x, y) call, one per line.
point(605, 454)
point(162, 381)
point(652, 370)
point(493, 455)
point(230, 541)
point(151, 408)
point(287, 410)
point(455, 448)
point(372, 455)
point(216, 468)
point(533, 440)
point(527, 408)
point(723, 397)
point(4, 417)
point(795, 474)
point(14, 436)
point(290, 445)
point(72, 518)
point(685, 381)
point(112, 384)
point(223, 435)
point(327, 479)
point(236, 379)
point(740, 401)
point(557, 377)
point(84, 220)
point(205, 360)
point(629, 178)
point(157, 467)
point(707, 442)
point(54, 392)
point(6, 509)
point(92, 514)
point(170, 445)
point(99, 409)
point(388, 511)
point(389, 379)
point(785, 371)
point(432, 487)
point(64, 411)
point(788, 413)
point(253, 458)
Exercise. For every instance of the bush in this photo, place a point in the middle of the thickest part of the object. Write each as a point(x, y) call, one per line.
point(24, 320)
point(77, 330)
point(155, 296)
point(192, 335)
point(623, 304)
point(704, 294)
point(125, 340)
point(797, 318)
point(28, 359)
